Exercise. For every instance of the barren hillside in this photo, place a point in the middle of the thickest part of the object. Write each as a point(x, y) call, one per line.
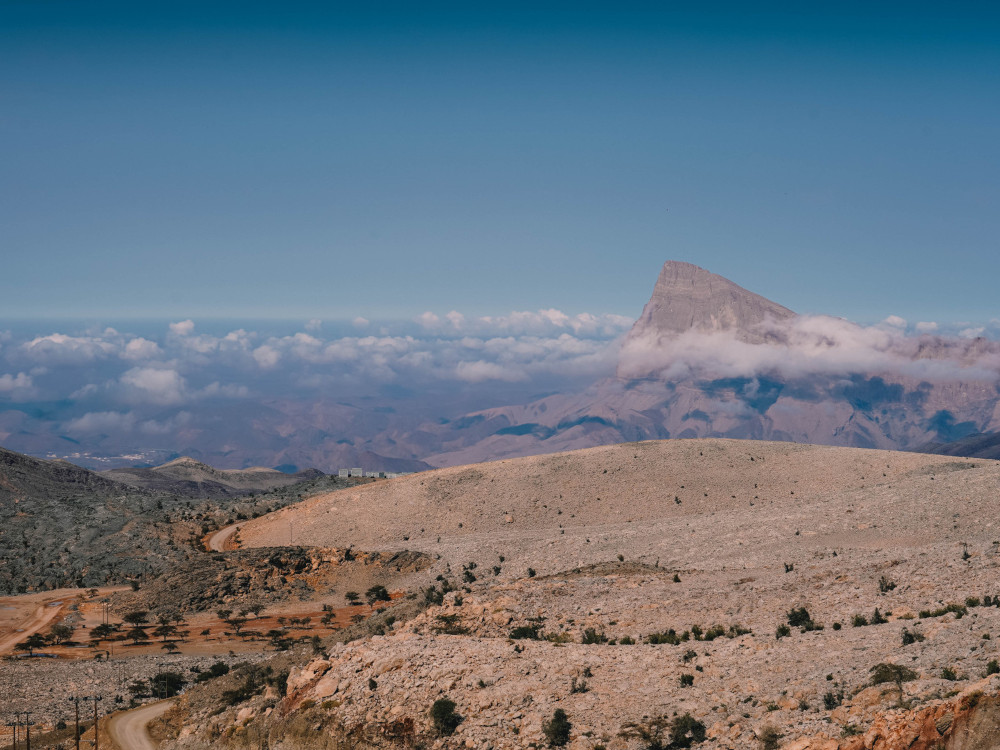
point(735, 582)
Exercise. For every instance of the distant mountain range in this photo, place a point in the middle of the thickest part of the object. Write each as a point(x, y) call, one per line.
point(708, 358)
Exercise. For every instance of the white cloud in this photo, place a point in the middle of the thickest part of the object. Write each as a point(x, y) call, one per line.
point(85, 391)
point(895, 321)
point(477, 372)
point(58, 348)
point(360, 322)
point(228, 390)
point(11, 383)
point(140, 348)
point(810, 345)
point(429, 320)
point(183, 328)
point(266, 356)
point(971, 333)
point(153, 385)
point(101, 422)
point(314, 325)
point(925, 326)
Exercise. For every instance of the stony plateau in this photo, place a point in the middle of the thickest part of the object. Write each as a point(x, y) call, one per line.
point(629, 582)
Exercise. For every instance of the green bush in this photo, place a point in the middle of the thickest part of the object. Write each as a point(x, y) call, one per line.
point(799, 617)
point(444, 716)
point(556, 729)
point(592, 637)
point(525, 632)
point(887, 672)
point(686, 731)
point(769, 738)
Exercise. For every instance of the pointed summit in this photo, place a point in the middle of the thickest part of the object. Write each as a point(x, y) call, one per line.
point(687, 297)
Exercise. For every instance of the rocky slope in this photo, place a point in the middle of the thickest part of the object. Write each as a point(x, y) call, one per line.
point(625, 583)
point(189, 478)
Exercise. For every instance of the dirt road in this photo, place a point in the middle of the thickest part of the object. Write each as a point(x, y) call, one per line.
point(217, 542)
point(41, 615)
point(128, 730)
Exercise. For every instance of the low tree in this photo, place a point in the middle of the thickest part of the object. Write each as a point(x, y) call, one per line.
point(164, 631)
point(377, 594)
point(136, 634)
point(60, 633)
point(352, 597)
point(167, 684)
point(31, 644)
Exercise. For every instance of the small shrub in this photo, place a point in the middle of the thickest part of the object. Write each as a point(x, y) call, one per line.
point(592, 637)
point(444, 716)
point(992, 667)
point(556, 729)
point(957, 609)
point(831, 699)
point(911, 637)
point(686, 731)
point(307, 704)
point(525, 632)
point(576, 686)
point(687, 680)
point(859, 621)
point(769, 738)
point(949, 674)
point(782, 631)
point(972, 601)
point(668, 637)
point(887, 672)
point(626, 640)
point(885, 585)
point(877, 618)
point(531, 573)
point(798, 617)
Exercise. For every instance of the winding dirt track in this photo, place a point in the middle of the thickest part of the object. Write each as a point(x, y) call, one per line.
point(217, 542)
point(41, 616)
point(128, 730)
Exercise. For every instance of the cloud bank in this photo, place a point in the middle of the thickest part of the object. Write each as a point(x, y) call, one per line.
point(805, 346)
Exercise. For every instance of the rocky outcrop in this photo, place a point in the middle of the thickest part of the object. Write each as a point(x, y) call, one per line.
point(689, 298)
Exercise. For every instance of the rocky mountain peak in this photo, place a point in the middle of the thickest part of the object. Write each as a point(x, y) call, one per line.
point(687, 297)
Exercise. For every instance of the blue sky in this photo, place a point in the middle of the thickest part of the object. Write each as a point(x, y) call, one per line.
point(282, 160)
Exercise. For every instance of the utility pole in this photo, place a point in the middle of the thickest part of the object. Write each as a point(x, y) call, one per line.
point(76, 732)
point(13, 729)
point(27, 728)
point(97, 736)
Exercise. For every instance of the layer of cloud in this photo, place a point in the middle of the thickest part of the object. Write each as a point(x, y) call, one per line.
point(804, 346)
